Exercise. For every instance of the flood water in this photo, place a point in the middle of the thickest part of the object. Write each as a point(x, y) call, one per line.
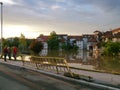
point(87, 60)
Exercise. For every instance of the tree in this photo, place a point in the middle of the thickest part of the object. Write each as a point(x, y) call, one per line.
point(68, 46)
point(15, 42)
point(11, 42)
point(5, 42)
point(53, 42)
point(29, 41)
point(36, 46)
point(23, 43)
point(112, 48)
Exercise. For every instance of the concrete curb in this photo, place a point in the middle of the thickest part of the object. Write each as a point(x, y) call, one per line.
point(67, 78)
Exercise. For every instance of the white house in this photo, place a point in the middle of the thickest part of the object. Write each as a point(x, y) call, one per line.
point(43, 39)
point(88, 41)
point(76, 40)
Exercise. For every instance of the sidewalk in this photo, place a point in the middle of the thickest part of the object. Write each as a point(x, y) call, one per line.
point(101, 78)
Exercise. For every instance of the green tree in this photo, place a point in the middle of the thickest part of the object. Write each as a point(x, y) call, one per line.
point(36, 46)
point(15, 42)
point(68, 46)
point(112, 48)
point(53, 42)
point(5, 42)
point(11, 42)
point(29, 41)
point(22, 43)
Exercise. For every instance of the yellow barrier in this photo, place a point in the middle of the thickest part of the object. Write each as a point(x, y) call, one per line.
point(48, 63)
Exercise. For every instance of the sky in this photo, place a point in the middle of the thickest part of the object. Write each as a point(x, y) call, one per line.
point(72, 17)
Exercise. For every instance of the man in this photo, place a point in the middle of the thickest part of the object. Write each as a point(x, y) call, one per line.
point(5, 51)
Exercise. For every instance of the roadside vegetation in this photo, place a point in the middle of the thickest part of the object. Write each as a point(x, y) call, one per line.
point(111, 48)
point(22, 43)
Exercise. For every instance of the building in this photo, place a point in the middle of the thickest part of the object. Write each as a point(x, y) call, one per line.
point(115, 31)
point(44, 40)
point(88, 41)
point(116, 35)
point(76, 40)
point(107, 36)
point(83, 42)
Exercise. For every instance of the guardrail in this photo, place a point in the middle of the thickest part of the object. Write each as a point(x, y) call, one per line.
point(48, 63)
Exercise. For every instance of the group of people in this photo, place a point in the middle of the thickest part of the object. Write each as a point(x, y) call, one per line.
point(7, 51)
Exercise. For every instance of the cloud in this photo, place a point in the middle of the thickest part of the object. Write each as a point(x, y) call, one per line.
point(105, 5)
point(54, 7)
point(55, 14)
point(85, 9)
point(7, 1)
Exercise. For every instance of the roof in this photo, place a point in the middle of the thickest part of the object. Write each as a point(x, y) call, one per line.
point(92, 40)
point(116, 30)
point(43, 38)
point(97, 31)
point(88, 36)
point(62, 34)
point(75, 37)
point(108, 34)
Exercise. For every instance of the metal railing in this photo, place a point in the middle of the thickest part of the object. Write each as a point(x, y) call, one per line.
point(47, 63)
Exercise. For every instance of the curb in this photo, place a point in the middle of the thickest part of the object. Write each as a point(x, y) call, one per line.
point(58, 76)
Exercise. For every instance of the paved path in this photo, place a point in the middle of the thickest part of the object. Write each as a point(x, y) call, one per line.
point(104, 78)
point(17, 78)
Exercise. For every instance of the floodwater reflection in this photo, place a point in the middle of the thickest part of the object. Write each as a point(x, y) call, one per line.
point(87, 60)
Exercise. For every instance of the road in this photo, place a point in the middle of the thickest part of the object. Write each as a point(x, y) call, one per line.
point(16, 78)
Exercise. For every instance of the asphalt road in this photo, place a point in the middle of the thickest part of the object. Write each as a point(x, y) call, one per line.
point(15, 78)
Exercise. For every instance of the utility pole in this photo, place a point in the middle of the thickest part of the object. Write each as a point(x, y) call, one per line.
point(1, 24)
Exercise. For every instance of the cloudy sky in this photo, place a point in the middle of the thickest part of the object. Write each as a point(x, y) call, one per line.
point(72, 17)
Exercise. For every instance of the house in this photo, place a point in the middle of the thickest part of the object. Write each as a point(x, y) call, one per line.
point(116, 35)
point(62, 39)
point(98, 35)
point(84, 42)
point(44, 40)
point(88, 40)
point(76, 40)
point(107, 36)
point(91, 43)
point(97, 32)
point(115, 31)
point(112, 35)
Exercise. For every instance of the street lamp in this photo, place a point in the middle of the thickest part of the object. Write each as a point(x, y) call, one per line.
point(1, 23)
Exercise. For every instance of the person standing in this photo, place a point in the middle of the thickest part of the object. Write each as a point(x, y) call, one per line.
point(5, 52)
point(14, 52)
point(9, 53)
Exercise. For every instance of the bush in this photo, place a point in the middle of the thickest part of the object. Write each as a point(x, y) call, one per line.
point(112, 48)
point(36, 47)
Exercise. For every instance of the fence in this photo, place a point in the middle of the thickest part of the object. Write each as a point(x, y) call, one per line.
point(48, 63)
